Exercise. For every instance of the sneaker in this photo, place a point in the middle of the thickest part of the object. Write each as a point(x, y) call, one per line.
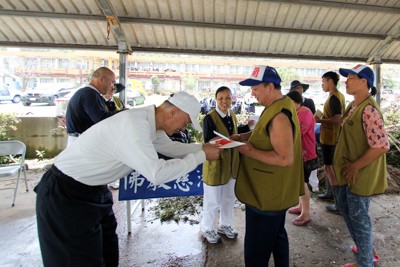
point(325, 196)
point(332, 209)
point(211, 236)
point(228, 231)
point(315, 189)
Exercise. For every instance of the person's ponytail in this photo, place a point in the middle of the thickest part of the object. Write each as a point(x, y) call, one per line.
point(373, 91)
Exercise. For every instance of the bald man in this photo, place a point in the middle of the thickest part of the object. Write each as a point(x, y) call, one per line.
point(87, 106)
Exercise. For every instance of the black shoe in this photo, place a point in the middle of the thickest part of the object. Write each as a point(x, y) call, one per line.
point(325, 196)
point(332, 209)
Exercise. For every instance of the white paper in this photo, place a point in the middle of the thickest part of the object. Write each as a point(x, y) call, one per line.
point(231, 144)
point(255, 118)
point(318, 113)
point(221, 135)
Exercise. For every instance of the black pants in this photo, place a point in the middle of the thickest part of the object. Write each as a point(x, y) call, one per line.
point(265, 234)
point(76, 222)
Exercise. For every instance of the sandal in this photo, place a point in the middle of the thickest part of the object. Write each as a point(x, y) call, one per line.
point(376, 256)
point(295, 210)
point(301, 222)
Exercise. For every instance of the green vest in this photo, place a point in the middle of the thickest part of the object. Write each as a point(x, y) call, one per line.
point(329, 132)
point(352, 144)
point(118, 103)
point(218, 172)
point(268, 187)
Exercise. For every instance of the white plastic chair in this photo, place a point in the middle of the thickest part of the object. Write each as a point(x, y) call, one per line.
point(12, 149)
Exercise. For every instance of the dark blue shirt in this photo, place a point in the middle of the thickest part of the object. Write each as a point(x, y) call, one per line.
point(86, 108)
point(309, 103)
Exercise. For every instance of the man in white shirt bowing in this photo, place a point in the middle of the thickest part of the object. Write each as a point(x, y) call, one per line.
point(76, 222)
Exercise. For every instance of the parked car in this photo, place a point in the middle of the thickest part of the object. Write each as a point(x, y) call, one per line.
point(43, 95)
point(8, 94)
point(134, 97)
point(62, 102)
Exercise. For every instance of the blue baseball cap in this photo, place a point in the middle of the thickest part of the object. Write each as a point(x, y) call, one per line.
point(262, 74)
point(361, 70)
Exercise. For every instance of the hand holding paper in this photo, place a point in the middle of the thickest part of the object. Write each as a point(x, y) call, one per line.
point(225, 142)
point(318, 114)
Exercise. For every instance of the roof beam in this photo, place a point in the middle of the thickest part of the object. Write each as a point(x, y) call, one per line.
point(182, 23)
point(193, 52)
point(340, 5)
point(113, 21)
point(40, 14)
point(242, 27)
point(376, 55)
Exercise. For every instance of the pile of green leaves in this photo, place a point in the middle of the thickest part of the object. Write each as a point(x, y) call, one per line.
point(392, 123)
point(178, 208)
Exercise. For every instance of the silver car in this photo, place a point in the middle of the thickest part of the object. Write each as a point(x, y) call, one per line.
point(8, 94)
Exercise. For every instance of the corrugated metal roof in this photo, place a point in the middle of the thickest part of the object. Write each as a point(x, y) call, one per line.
point(357, 30)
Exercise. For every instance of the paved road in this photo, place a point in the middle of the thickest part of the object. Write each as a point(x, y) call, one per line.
point(51, 111)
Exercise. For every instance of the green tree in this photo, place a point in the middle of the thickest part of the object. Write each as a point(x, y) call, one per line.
point(287, 76)
point(155, 82)
point(25, 69)
point(190, 82)
point(390, 83)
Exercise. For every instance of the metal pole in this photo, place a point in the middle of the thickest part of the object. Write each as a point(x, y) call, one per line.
point(123, 60)
point(378, 81)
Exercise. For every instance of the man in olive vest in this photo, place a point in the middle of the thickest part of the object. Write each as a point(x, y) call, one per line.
point(271, 176)
point(330, 125)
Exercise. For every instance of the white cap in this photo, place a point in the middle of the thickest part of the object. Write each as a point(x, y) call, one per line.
point(188, 104)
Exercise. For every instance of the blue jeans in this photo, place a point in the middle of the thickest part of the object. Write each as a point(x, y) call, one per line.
point(354, 209)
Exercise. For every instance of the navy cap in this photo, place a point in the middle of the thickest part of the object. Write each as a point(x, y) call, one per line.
point(262, 74)
point(361, 70)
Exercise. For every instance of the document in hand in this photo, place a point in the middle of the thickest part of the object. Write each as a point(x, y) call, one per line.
point(225, 142)
point(318, 114)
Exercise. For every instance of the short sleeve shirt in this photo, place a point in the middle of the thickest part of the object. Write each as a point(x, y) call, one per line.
point(373, 127)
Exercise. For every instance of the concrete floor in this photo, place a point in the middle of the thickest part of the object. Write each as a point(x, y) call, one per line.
point(323, 242)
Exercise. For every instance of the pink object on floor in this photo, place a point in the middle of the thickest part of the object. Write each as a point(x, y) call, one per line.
point(295, 210)
point(299, 222)
point(355, 250)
